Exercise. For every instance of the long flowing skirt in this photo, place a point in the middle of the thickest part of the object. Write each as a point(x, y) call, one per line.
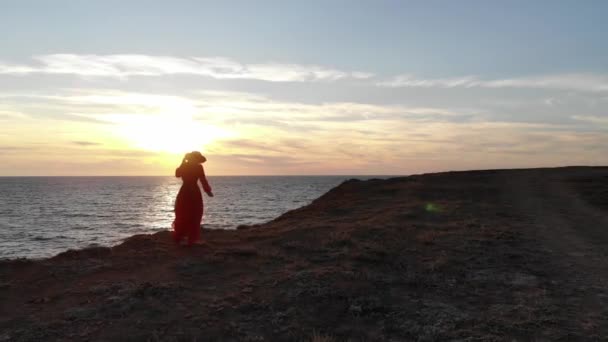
point(188, 214)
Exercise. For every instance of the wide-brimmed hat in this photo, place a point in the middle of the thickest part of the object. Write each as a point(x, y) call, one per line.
point(195, 157)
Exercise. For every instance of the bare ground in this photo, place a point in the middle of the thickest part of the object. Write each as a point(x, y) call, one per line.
point(482, 255)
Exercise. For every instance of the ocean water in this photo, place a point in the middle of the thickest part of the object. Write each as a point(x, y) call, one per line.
point(42, 216)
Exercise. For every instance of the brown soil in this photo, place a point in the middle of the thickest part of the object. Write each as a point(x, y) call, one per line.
point(482, 255)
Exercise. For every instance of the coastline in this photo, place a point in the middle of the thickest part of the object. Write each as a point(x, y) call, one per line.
point(44, 217)
point(470, 254)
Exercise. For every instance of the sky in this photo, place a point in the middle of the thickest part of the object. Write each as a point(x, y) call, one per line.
point(301, 87)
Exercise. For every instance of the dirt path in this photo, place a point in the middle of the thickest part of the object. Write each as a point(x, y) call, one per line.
point(573, 231)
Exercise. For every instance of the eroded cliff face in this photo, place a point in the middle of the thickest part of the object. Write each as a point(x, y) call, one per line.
point(484, 254)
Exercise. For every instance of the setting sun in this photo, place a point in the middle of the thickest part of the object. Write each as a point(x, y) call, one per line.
point(159, 123)
point(168, 133)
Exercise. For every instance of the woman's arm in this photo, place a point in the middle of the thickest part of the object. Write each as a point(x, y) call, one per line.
point(205, 183)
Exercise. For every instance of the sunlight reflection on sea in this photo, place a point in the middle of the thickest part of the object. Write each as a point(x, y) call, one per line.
point(42, 216)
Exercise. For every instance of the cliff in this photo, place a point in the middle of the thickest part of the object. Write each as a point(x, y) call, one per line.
point(480, 255)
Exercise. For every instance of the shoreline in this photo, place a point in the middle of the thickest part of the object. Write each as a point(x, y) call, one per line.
point(244, 226)
point(72, 213)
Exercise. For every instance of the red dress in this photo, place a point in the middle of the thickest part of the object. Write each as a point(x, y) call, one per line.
point(189, 203)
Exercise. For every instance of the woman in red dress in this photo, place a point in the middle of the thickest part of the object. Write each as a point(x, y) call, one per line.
point(189, 202)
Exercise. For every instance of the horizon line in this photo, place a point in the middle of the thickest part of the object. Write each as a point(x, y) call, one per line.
point(328, 175)
point(221, 175)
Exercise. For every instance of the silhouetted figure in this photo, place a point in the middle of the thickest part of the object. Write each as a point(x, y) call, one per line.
point(189, 202)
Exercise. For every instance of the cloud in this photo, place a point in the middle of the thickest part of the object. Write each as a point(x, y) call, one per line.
point(127, 65)
point(402, 81)
point(10, 115)
point(269, 136)
point(595, 120)
point(248, 144)
point(574, 82)
point(264, 159)
point(15, 148)
point(366, 136)
point(238, 107)
point(222, 107)
point(123, 66)
point(85, 143)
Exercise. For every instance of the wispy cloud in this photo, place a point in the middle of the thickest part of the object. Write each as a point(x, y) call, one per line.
point(85, 143)
point(247, 107)
point(412, 81)
point(127, 65)
point(575, 82)
point(10, 115)
point(292, 136)
point(596, 120)
point(123, 66)
point(226, 107)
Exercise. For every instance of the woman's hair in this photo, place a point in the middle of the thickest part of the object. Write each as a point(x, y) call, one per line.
point(194, 157)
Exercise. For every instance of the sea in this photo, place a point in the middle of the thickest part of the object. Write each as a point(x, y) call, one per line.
point(43, 216)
